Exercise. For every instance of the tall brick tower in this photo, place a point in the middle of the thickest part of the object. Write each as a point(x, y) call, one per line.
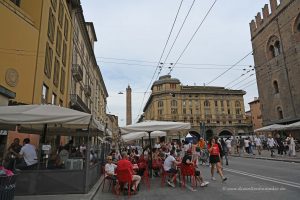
point(128, 106)
point(275, 37)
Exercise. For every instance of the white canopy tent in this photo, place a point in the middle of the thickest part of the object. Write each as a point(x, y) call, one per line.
point(138, 135)
point(36, 116)
point(270, 128)
point(188, 135)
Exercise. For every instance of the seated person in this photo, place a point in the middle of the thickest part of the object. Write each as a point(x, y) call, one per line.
point(187, 160)
point(110, 169)
point(12, 155)
point(125, 164)
point(169, 164)
point(63, 155)
point(28, 153)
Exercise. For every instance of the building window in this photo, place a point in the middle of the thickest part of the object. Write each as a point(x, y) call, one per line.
point(230, 122)
point(183, 103)
point(66, 28)
point(48, 61)
point(60, 13)
point(58, 42)
point(274, 47)
point(228, 111)
point(218, 122)
point(51, 26)
point(174, 103)
point(197, 110)
point(64, 53)
point(56, 72)
point(279, 112)
point(160, 104)
point(184, 111)
point(17, 2)
point(190, 103)
point(277, 48)
point(159, 87)
point(240, 121)
point(173, 86)
point(62, 80)
point(160, 111)
point(275, 85)
point(191, 111)
point(208, 121)
point(228, 103)
point(222, 104)
point(184, 119)
point(53, 99)
point(206, 103)
point(61, 103)
point(216, 103)
point(237, 104)
point(44, 94)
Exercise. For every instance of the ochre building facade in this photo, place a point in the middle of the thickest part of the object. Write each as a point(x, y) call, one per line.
point(219, 111)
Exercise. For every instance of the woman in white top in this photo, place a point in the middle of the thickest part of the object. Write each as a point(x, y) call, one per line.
point(291, 142)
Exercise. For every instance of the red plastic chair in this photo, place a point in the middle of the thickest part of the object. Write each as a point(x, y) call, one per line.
point(186, 171)
point(165, 174)
point(125, 176)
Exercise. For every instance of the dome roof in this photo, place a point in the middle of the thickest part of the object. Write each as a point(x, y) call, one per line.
point(166, 79)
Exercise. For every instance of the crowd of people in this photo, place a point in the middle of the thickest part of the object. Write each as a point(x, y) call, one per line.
point(168, 158)
point(24, 157)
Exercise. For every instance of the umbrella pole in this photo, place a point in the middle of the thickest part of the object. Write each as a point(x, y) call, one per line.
point(150, 163)
point(142, 142)
point(42, 140)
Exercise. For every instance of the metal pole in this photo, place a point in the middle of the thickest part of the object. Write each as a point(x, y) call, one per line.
point(87, 160)
point(150, 163)
point(42, 140)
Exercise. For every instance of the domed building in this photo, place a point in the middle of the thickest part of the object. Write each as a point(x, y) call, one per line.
point(210, 110)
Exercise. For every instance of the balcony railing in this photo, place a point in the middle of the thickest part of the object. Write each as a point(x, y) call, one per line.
point(87, 90)
point(77, 72)
point(77, 103)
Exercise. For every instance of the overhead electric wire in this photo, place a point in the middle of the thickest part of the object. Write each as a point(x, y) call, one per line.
point(170, 50)
point(144, 65)
point(161, 56)
point(211, 7)
point(262, 43)
point(247, 83)
point(242, 80)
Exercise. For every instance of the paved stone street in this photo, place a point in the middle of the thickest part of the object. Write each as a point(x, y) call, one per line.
point(247, 179)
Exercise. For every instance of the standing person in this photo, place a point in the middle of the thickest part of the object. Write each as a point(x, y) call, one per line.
point(238, 146)
point(28, 153)
point(247, 145)
point(241, 145)
point(271, 144)
point(228, 144)
point(292, 146)
point(258, 144)
point(225, 151)
point(214, 159)
point(280, 144)
point(13, 152)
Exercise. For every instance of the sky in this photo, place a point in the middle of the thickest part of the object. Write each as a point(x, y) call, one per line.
point(132, 34)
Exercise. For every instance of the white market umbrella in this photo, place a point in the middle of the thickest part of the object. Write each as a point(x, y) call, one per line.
point(273, 127)
point(138, 135)
point(293, 126)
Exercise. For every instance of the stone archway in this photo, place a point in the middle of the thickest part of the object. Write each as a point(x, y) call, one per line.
point(208, 134)
point(195, 134)
point(225, 133)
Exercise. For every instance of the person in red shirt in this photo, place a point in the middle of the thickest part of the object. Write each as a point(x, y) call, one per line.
point(124, 164)
point(214, 159)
